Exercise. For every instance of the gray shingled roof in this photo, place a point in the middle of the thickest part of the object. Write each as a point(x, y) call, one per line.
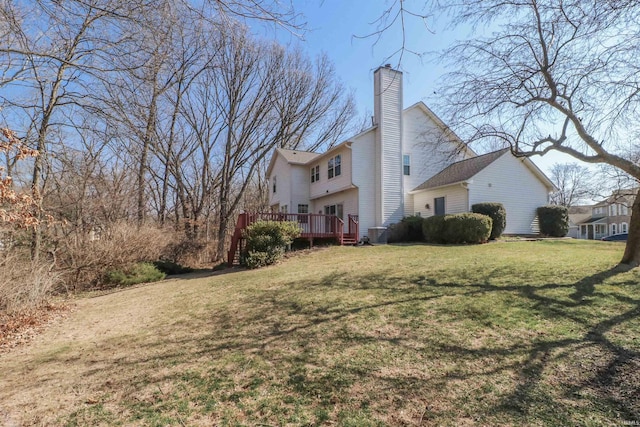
point(461, 171)
point(297, 156)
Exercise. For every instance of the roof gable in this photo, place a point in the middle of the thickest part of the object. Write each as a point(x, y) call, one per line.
point(461, 171)
point(446, 130)
point(293, 157)
point(297, 156)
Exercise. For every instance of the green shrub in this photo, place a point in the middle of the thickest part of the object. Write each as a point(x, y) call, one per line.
point(467, 228)
point(553, 220)
point(170, 267)
point(496, 212)
point(409, 229)
point(433, 229)
point(142, 272)
point(457, 228)
point(266, 242)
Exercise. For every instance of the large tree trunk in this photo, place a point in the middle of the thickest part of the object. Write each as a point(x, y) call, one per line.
point(632, 250)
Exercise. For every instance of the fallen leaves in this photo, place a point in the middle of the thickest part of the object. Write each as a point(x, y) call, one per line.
point(19, 328)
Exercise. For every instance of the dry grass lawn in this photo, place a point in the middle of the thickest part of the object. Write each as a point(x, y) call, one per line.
point(522, 333)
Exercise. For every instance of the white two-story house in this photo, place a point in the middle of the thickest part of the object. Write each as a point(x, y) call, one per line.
point(407, 163)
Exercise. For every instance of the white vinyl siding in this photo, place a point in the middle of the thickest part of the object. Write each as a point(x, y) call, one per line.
point(292, 185)
point(363, 151)
point(280, 176)
point(510, 182)
point(455, 200)
point(340, 182)
point(388, 114)
point(348, 199)
point(421, 140)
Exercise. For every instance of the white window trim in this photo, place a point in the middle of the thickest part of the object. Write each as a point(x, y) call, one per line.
point(334, 166)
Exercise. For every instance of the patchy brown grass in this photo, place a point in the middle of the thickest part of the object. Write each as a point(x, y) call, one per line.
point(523, 333)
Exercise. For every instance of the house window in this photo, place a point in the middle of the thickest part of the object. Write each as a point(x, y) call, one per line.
point(624, 228)
point(438, 206)
point(274, 184)
point(315, 173)
point(614, 229)
point(614, 210)
point(335, 166)
point(406, 164)
point(624, 210)
point(284, 209)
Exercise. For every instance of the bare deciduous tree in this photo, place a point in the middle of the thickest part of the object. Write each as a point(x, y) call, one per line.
point(575, 184)
point(56, 50)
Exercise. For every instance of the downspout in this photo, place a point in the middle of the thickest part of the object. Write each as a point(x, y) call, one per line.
point(465, 185)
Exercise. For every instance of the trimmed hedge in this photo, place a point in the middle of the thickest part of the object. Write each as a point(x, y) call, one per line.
point(457, 228)
point(266, 242)
point(409, 229)
point(496, 212)
point(433, 229)
point(553, 220)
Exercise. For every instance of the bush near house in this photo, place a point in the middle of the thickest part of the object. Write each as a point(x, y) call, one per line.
point(433, 229)
point(458, 228)
point(553, 220)
point(266, 242)
point(409, 229)
point(496, 212)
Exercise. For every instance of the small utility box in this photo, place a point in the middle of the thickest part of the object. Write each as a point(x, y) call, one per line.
point(378, 235)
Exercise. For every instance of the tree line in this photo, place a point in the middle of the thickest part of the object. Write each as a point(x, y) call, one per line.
point(155, 112)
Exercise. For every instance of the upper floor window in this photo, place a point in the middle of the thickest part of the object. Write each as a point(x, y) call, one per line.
point(624, 210)
point(335, 166)
point(274, 184)
point(613, 210)
point(315, 173)
point(598, 211)
point(406, 164)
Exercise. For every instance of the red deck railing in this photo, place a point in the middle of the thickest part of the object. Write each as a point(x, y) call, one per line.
point(311, 226)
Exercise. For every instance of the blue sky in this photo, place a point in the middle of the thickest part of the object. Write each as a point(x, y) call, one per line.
point(332, 25)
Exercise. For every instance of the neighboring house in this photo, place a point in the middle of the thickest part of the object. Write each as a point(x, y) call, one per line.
point(577, 216)
point(408, 163)
point(610, 216)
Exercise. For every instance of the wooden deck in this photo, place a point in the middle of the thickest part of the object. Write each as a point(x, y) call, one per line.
point(312, 226)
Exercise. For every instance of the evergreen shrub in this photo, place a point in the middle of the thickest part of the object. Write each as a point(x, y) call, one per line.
point(496, 212)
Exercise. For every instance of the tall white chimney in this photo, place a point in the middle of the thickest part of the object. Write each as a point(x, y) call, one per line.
point(387, 84)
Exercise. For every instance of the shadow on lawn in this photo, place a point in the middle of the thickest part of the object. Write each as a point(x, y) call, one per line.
point(369, 352)
point(603, 374)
